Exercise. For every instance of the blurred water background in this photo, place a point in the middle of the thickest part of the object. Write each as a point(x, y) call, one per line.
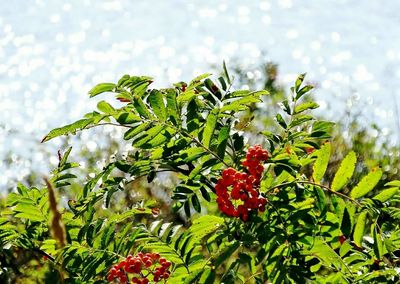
point(53, 52)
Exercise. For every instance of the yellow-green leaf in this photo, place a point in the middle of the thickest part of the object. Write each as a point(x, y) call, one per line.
point(105, 107)
point(305, 106)
point(367, 183)
point(101, 88)
point(344, 172)
point(321, 163)
point(68, 129)
point(395, 183)
point(386, 194)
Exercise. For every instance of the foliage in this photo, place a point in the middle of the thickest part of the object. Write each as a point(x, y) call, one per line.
point(315, 227)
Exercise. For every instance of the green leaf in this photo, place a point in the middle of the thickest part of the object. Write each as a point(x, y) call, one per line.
point(322, 129)
point(138, 85)
point(321, 200)
point(141, 107)
point(324, 252)
point(107, 235)
point(210, 127)
point(186, 208)
point(191, 154)
point(210, 85)
point(147, 136)
point(30, 216)
point(223, 136)
point(386, 194)
point(321, 163)
point(344, 172)
point(65, 176)
point(304, 91)
point(196, 203)
point(281, 121)
point(305, 106)
point(299, 81)
point(205, 194)
point(198, 79)
point(105, 107)
point(101, 88)
point(238, 93)
point(163, 136)
point(305, 204)
point(228, 79)
point(395, 183)
point(132, 132)
point(367, 183)
point(29, 211)
point(338, 205)
point(241, 104)
point(127, 118)
point(172, 107)
point(223, 83)
point(227, 253)
point(68, 129)
point(156, 101)
point(123, 80)
point(285, 106)
point(65, 156)
point(345, 247)
point(360, 228)
point(378, 244)
point(300, 120)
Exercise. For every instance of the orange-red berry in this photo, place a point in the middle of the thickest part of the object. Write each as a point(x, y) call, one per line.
point(155, 266)
point(234, 185)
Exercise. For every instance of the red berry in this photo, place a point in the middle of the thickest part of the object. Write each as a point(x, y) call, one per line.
point(110, 277)
point(342, 239)
point(234, 185)
point(123, 279)
point(167, 264)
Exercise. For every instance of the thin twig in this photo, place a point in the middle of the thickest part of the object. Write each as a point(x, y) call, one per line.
point(327, 188)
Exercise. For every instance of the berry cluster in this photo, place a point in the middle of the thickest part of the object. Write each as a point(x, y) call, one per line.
point(143, 266)
point(255, 155)
point(234, 186)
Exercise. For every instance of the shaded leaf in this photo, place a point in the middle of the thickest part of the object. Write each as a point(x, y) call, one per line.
point(360, 228)
point(210, 127)
point(157, 103)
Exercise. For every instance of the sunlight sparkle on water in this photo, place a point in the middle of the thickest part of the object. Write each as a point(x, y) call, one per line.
point(52, 54)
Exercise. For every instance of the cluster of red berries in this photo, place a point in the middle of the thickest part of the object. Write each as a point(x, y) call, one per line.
point(144, 266)
point(234, 186)
point(255, 155)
